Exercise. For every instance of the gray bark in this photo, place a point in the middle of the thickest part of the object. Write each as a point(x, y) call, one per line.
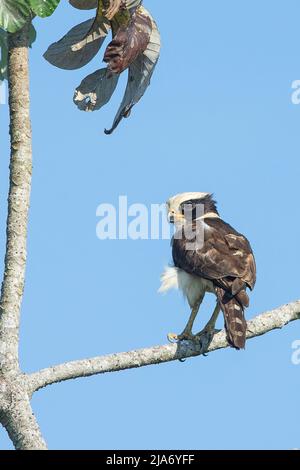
point(15, 409)
point(260, 325)
point(16, 414)
point(18, 201)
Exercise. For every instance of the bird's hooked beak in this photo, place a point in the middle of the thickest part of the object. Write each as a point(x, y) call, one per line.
point(175, 217)
point(171, 218)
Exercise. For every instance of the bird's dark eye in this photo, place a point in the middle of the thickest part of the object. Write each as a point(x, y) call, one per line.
point(186, 208)
point(192, 209)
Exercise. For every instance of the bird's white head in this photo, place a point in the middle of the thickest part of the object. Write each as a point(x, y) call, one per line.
point(195, 203)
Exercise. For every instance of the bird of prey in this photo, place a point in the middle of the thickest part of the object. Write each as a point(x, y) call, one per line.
point(209, 256)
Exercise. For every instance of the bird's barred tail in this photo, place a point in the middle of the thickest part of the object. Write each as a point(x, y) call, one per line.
point(235, 323)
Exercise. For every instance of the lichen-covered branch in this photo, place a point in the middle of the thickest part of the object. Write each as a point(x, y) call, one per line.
point(18, 200)
point(16, 414)
point(260, 325)
point(15, 410)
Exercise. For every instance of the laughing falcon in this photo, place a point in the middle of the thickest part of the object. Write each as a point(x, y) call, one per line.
point(209, 256)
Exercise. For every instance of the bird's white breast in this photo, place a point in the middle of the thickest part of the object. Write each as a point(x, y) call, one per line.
point(193, 287)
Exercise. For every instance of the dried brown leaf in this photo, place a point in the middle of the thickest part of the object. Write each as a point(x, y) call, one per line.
point(79, 45)
point(95, 90)
point(129, 42)
point(139, 75)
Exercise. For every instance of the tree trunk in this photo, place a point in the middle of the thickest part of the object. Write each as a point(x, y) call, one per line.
point(15, 410)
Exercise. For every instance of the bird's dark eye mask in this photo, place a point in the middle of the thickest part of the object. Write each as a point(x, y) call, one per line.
point(192, 208)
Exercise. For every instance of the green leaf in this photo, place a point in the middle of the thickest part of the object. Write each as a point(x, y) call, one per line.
point(44, 8)
point(84, 4)
point(139, 75)
point(13, 14)
point(32, 35)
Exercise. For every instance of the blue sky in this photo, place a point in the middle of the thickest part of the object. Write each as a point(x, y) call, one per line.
point(218, 117)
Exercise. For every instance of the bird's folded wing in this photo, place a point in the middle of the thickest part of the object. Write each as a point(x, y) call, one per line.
point(224, 253)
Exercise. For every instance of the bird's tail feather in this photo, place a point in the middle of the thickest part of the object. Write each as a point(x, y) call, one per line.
point(233, 310)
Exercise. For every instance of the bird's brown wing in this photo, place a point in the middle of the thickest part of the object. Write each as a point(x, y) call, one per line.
point(224, 254)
